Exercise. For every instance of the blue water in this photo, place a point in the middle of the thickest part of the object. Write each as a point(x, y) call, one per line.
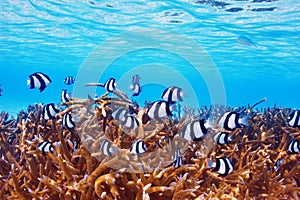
point(58, 38)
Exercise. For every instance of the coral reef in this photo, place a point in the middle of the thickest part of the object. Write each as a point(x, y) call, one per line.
point(78, 169)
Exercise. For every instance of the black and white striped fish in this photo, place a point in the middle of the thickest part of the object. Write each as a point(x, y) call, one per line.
point(294, 118)
point(136, 79)
point(294, 146)
point(109, 85)
point(67, 121)
point(178, 159)
point(159, 109)
point(38, 80)
point(136, 89)
point(107, 149)
point(49, 111)
point(196, 130)
point(222, 166)
point(69, 80)
point(222, 138)
point(138, 147)
point(131, 122)
point(46, 146)
point(231, 120)
point(172, 94)
point(120, 114)
point(65, 97)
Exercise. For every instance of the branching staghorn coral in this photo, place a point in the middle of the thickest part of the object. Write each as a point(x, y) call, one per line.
point(263, 168)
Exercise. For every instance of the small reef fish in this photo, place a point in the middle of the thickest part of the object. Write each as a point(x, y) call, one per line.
point(38, 80)
point(49, 111)
point(222, 138)
point(107, 149)
point(196, 130)
point(178, 162)
point(67, 121)
point(138, 147)
point(136, 79)
point(65, 97)
point(294, 118)
point(178, 159)
point(131, 122)
point(109, 85)
point(46, 146)
point(231, 120)
point(294, 146)
point(120, 114)
point(172, 94)
point(159, 109)
point(136, 89)
point(243, 40)
point(222, 166)
point(69, 80)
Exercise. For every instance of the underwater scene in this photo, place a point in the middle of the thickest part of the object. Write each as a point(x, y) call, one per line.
point(142, 100)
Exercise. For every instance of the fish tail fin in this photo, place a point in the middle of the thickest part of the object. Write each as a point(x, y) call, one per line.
point(230, 138)
point(28, 82)
point(244, 121)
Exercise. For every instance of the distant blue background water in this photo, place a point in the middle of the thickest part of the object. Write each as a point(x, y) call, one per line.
point(55, 37)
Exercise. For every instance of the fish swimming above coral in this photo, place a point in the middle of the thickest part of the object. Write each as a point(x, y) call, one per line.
point(294, 146)
point(172, 94)
point(178, 159)
point(49, 111)
point(294, 118)
point(232, 120)
point(131, 122)
point(69, 80)
point(39, 80)
point(46, 146)
point(109, 85)
point(120, 114)
point(136, 89)
point(222, 166)
point(196, 130)
point(222, 138)
point(65, 97)
point(159, 109)
point(138, 147)
point(107, 149)
point(67, 121)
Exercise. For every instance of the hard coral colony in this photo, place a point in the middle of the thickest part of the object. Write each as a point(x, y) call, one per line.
point(130, 156)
